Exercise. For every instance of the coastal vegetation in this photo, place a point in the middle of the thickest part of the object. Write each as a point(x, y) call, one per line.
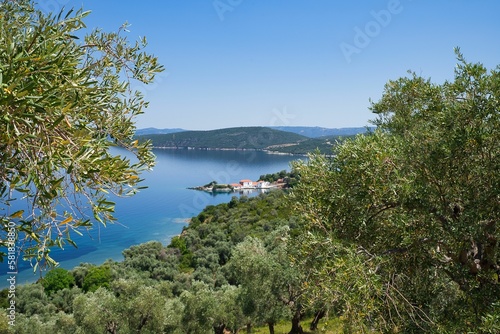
point(289, 178)
point(204, 280)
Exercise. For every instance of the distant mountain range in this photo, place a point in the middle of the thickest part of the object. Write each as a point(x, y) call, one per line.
point(307, 131)
point(249, 138)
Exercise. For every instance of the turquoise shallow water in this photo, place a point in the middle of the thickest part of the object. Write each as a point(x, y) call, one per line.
point(164, 208)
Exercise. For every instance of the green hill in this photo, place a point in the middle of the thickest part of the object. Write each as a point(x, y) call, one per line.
point(249, 138)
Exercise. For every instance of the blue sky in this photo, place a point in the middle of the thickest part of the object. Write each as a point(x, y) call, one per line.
point(295, 62)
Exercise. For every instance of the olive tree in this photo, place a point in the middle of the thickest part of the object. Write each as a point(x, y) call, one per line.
point(208, 310)
point(99, 312)
point(256, 273)
point(410, 212)
point(271, 285)
point(66, 98)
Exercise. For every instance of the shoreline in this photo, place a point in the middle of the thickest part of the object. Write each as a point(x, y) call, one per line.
point(226, 149)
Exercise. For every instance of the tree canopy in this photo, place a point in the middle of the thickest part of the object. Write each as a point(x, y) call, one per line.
point(402, 224)
point(66, 98)
point(57, 279)
point(238, 275)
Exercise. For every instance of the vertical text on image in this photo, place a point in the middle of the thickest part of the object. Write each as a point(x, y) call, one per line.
point(12, 272)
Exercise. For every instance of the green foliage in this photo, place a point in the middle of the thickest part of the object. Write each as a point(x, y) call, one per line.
point(57, 279)
point(64, 102)
point(152, 258)
point(261, 282)
point(289, 178)
point(186, 261)
point(275, 176)
point(174, 310)
point(199, 307)
point(151, 288)
point(271, 284)
point(145, 312)
point(491, 320)
point(213, 234)
point(206, 309)
point(63, 299)
point(5, 328)
point(31, 324)
point(138, 308)
point(96, 278)
point(61, 323)
point(97, 312)
point(79, 272)
point(32, 300)
point(4, 300)
point(402, 224)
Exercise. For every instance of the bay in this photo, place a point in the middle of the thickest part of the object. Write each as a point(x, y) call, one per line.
point(165, 207)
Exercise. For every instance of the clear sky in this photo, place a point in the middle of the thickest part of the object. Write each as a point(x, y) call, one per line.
point(292, 62)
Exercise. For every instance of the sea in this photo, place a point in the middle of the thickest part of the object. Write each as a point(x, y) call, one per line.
point(165, 207)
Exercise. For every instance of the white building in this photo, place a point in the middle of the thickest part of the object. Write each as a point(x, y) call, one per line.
point(247, 184)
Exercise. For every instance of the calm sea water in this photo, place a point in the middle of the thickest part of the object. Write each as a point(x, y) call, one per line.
point(164, 208)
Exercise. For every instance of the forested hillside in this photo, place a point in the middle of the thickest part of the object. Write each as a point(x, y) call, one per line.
point(253, 138)
point(229, 269)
